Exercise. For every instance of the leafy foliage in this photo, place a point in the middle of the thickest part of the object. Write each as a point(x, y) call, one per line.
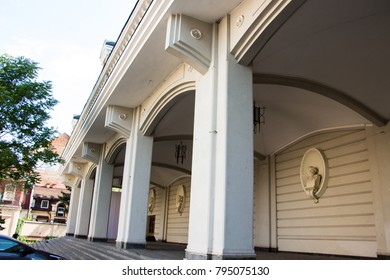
point(25, 103)
point(65, 197)
point(19, 226)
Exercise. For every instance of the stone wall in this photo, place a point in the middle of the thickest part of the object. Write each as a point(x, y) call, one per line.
point(39, 230)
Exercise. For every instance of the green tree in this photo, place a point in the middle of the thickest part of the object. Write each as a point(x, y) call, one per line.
point(25, 105)
point(65, 197)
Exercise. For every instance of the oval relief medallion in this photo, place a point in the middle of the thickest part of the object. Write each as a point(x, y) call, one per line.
point(314, 173)
point(152, 200)
point(180, 198)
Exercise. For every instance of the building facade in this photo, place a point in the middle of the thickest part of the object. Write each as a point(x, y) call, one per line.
point(234, 125)
point(42, 201)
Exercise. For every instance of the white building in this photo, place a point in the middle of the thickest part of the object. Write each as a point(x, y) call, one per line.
point(185, 75)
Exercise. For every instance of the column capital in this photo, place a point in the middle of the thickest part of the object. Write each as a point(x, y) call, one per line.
point(77, 169)
point(119, 119)
point(70, 180)
point(191, 40)
point(91, 152)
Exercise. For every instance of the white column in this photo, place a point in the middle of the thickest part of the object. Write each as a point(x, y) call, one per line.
point(200, 236)
point(83, 215)
point(378, 140)
point(273, 208)
point(73, 209)
point(221, 215)
point(101, 200)
point(135, 188)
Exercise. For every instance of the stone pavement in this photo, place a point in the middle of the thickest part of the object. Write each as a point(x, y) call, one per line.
point(81, 249)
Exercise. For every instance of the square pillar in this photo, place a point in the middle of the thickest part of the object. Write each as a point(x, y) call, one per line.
point(101, 200)
point(135, 188)
point(221, 214)
point(82, 221)
point(378, 143)
point(73, 182)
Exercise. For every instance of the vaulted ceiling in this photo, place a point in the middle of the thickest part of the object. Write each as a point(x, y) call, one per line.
point(326, 66)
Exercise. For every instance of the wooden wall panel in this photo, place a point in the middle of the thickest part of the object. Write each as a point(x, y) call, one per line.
point(178, 223)
point(159, 212)
point(344, 217)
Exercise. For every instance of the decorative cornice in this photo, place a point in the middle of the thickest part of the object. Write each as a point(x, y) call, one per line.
point(123, 40)
point(121, 45)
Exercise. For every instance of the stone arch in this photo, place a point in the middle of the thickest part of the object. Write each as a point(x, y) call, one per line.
point(324, 90)
point(154, 109)
point(162, 106)
point(115, 149)
point(91, 171)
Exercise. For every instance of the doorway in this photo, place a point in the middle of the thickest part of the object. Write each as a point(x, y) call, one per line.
point(150, 228)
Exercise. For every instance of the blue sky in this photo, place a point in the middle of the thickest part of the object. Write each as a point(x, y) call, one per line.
point(65, 38)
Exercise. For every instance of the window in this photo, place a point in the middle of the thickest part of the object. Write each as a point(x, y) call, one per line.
point(9, 193)
point(60, 211)
point(45, 204)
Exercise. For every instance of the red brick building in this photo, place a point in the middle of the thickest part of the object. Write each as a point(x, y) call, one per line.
point(41, 202)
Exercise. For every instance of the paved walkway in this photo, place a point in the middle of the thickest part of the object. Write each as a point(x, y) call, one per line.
point(81, 249)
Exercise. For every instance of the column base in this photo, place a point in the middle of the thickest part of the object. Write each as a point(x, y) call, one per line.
point(266, 249)
point(70, 234)
point(197, 256)
point(80, 236)
point(128, 245)
point(382, 256)
point(97, 239)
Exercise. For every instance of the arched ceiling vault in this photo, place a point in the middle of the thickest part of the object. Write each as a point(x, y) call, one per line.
point(326, 65)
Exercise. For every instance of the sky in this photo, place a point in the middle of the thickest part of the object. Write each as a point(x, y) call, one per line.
point(65, 39)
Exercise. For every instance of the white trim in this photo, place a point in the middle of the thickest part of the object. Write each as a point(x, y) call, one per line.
point(45, 200)
point(319, 131)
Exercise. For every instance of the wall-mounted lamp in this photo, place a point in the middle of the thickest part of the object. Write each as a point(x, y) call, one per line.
point(180, 152)
point(258, 118)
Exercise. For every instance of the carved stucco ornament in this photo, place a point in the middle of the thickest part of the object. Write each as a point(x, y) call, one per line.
point(180, 199)
point(152, 200)
point(314, 173)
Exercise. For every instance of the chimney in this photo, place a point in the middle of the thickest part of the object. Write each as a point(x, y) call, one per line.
point(75, 120)
point(106, 51)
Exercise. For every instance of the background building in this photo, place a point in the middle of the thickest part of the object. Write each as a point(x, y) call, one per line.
point(41, 202)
